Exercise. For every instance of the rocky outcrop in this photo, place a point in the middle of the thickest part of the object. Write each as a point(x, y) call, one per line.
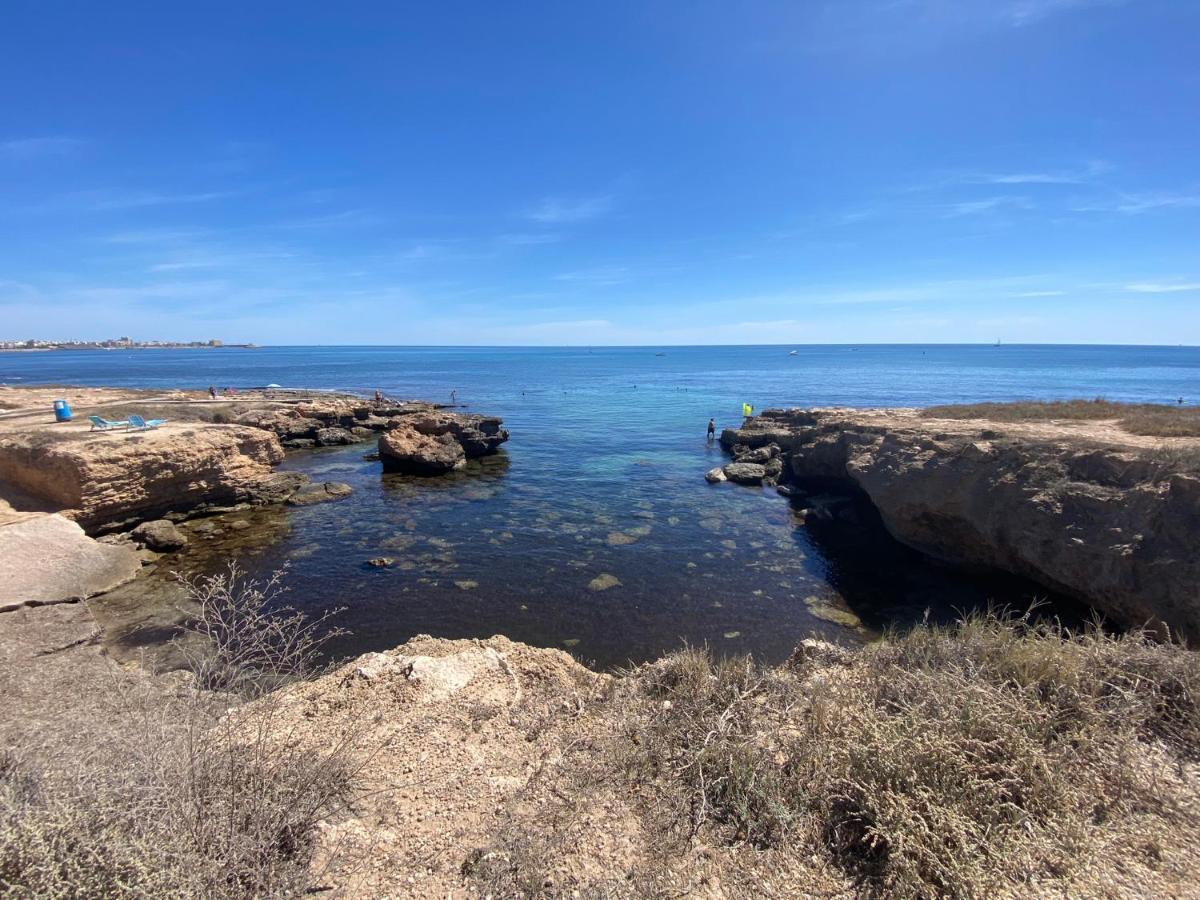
point(47, 559)
point(332, 421)
point(745, 473)
point(160, 535)
point(755, 465)
point(456, 730)
point(408, 451)
point(477, 435)
point(437, 443)
point(106, 481)
point(199, 462)
point(1080, 507)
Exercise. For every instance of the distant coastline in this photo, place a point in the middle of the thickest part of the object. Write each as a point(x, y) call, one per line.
point(41, 346)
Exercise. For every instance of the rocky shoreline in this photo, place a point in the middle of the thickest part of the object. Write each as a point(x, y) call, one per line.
point(489, 767)
point(1083, 507)
point(62, 484)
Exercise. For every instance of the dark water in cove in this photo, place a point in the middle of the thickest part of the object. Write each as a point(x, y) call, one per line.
point(603, 477)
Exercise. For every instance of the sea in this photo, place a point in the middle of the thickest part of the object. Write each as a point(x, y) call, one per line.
point(593, 531)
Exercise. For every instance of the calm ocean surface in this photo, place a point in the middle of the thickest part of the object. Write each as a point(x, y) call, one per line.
point(603, 476)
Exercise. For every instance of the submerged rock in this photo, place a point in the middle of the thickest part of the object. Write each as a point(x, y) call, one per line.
point(278, 486)
point(604, 582)
point(620, 538)
point(320, 493)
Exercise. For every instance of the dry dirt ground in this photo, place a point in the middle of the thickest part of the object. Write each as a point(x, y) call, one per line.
point(494, 769)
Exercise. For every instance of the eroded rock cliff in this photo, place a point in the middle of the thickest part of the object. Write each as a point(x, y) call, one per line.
point(1082, 507)
point(107, 480)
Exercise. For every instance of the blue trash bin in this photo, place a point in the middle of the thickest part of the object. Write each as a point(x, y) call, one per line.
point(62, 412)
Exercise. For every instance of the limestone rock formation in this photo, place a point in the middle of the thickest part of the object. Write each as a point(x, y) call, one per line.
point(1082, 507)
point(48, 559)
point(477, 435)
point(106, 481)
point(745, 472)
point(160, 535)
point(329, 421)
point(434, 443)
point(408, 451)
point(334, 437)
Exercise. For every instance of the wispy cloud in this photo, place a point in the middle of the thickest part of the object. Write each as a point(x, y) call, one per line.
point(1028, 12)
point(986, 205)
point(348, 218)
point(888, 27)
point(1163, 287)
point(39, 147)
point(599, 275)
point(528, 239)
point(1039, 294)
point(558, 210)
point(108, 200)
point(154, 236)
point(1085, 175)
point(146, 198)
point(1135, 203)
point(221, 260)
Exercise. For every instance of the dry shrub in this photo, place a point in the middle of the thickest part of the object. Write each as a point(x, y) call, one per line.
point(179, 791)
point(944, 762)
point(240, 637)
point(1151, 419)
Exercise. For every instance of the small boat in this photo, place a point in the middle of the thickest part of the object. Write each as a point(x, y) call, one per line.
point(794, 353)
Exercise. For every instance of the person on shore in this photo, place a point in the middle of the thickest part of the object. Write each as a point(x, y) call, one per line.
point(712, 429)
point(212, 392)
point(378, 397)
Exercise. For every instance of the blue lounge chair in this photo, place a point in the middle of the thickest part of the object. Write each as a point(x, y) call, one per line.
point(100, 424)
point(137, 423)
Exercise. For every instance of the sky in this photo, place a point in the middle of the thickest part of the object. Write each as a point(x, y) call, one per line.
point(597, 173)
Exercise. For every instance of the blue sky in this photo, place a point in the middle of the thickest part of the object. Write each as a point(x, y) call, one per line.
point(602, 173)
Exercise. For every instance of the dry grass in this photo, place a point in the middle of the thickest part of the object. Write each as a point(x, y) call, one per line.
point(183, 793)
point(1151, 419)
point(979, 761)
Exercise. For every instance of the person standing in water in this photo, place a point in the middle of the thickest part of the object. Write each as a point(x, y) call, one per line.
point(712, 429)
point(454, 396)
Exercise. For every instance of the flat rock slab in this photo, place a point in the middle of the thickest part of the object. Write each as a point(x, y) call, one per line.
point(320, 493)
point(48, 559)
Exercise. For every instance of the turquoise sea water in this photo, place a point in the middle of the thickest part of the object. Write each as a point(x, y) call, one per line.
point(603, 476)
